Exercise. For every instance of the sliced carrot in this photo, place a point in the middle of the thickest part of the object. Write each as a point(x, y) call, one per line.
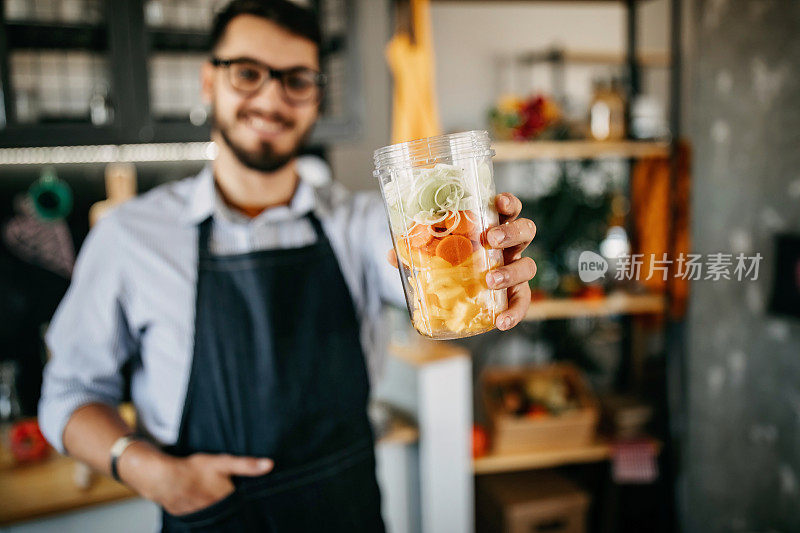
point(430, 248)
point(465, 226)
point(419, 236)
point(454, 249)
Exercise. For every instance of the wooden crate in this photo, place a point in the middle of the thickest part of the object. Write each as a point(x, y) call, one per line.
point(530, 502)
point(512, 434)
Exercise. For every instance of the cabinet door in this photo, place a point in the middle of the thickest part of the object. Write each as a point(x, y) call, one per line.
point(56, 75)
point(88, 72)
point(175, 45)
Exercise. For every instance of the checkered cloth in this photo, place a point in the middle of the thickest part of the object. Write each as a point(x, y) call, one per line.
point(634, 461)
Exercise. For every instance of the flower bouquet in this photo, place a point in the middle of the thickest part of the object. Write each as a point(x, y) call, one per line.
point(518, 119)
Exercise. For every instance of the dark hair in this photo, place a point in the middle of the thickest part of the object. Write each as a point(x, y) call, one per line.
point(288, 15)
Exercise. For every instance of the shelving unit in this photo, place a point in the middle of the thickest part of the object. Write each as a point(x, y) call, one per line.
point(670, 398)
point(526, 150)
point(653, 59)
point(590, 453)
point(618, 303)
point(597, 451)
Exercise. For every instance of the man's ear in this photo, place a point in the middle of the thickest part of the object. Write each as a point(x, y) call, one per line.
point(207, 77)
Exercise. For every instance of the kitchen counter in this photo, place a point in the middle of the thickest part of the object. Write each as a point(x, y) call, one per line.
point(48, 487)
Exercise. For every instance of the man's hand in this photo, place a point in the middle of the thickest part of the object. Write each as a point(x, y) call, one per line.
point(185, 485)
point(513, 235)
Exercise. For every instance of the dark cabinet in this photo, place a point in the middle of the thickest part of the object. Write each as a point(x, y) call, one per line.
point(84, 72)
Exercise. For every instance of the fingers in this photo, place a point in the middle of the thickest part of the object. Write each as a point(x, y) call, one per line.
point(519, 299)
point(244, 466)
point(508, 206)
point(392, 257)
point(519, 271)
point(519, 232)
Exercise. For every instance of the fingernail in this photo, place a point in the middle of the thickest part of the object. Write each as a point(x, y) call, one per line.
point(263, 464)
point(497, 236)
point(505, 202)
point(495, 278)
point(505, 322)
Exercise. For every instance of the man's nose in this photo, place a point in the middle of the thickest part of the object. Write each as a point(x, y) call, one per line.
point(270, 95)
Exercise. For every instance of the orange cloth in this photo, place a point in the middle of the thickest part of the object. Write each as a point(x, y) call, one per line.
point(651, 214)
point(414, 113)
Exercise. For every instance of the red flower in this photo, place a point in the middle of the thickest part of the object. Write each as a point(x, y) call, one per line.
point(534, 118)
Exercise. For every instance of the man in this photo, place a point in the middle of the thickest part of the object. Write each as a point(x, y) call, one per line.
point(245, 300)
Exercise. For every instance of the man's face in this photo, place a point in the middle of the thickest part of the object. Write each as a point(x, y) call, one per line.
point(262, 129)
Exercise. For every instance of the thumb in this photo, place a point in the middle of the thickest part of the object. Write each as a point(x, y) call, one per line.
point(244, 466)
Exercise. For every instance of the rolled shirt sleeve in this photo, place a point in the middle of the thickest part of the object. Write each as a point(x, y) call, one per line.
point(89, 339)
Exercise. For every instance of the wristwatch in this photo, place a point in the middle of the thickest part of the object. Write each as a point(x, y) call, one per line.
point(119, 446)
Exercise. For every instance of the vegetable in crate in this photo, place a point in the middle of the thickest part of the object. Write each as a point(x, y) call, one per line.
point(536, 397)
point(480, 441)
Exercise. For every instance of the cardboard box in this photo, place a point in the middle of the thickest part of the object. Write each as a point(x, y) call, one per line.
point(530, 502)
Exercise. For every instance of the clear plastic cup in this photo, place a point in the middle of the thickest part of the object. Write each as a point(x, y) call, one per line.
point(439, 196)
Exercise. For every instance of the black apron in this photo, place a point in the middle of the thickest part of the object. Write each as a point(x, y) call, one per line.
point(278, 371)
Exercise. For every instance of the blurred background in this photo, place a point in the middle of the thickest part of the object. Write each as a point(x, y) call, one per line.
point(626, 127)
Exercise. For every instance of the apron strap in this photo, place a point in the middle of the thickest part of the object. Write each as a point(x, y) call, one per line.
point(204, 236)
point(317, 225)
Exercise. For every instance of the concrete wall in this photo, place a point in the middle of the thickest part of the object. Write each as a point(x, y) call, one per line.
point(352, 160)
point(743, 459)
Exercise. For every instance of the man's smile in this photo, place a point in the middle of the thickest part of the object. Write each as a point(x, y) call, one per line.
point(265, 127)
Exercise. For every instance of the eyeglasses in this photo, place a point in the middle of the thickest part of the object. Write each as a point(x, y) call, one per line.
point(300, 85)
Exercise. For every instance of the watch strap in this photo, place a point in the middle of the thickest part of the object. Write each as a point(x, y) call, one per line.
point(117, 449)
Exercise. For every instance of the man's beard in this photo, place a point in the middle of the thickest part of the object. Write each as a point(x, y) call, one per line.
point(265, 159)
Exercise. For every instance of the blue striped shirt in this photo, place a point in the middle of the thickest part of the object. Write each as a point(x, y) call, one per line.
point(134, 285)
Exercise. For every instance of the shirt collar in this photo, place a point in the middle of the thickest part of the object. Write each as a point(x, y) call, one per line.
point(205, 200)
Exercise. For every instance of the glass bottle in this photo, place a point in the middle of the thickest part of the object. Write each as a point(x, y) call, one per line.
point(10, 409)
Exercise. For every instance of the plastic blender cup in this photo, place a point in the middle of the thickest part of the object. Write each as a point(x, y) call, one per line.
point(439, 195)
